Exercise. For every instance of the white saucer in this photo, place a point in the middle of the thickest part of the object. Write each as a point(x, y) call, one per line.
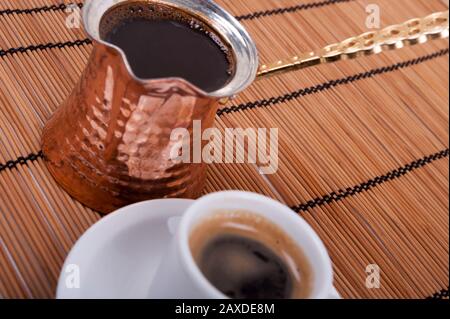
point(117, 257)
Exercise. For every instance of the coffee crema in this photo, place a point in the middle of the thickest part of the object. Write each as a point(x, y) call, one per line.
point(161, 41)
point(246, 256)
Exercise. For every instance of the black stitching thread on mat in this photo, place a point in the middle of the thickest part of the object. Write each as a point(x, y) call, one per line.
point(250, 16)
point(440, 294)
point(21, 161)
point(300, 7)
point(40, 47)
point(341, 194)
point(330, 84)
point(55, 7)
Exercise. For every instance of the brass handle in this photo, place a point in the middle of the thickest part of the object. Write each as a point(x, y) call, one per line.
point(411, 32)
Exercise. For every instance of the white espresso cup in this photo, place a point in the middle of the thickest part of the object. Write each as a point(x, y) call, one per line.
point(179, 277)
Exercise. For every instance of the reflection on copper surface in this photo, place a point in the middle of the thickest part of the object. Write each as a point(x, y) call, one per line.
point(109, 143)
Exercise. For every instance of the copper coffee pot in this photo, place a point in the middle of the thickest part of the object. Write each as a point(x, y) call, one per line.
point(108, 145)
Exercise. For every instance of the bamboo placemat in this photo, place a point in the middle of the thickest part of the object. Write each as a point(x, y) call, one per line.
point(363, 143)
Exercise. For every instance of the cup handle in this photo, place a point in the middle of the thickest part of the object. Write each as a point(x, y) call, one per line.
point(334, 294)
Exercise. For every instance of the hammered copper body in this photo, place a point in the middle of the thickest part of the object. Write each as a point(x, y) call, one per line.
point(109, 144)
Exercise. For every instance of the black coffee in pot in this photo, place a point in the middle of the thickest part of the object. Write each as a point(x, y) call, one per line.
point(160, 42)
